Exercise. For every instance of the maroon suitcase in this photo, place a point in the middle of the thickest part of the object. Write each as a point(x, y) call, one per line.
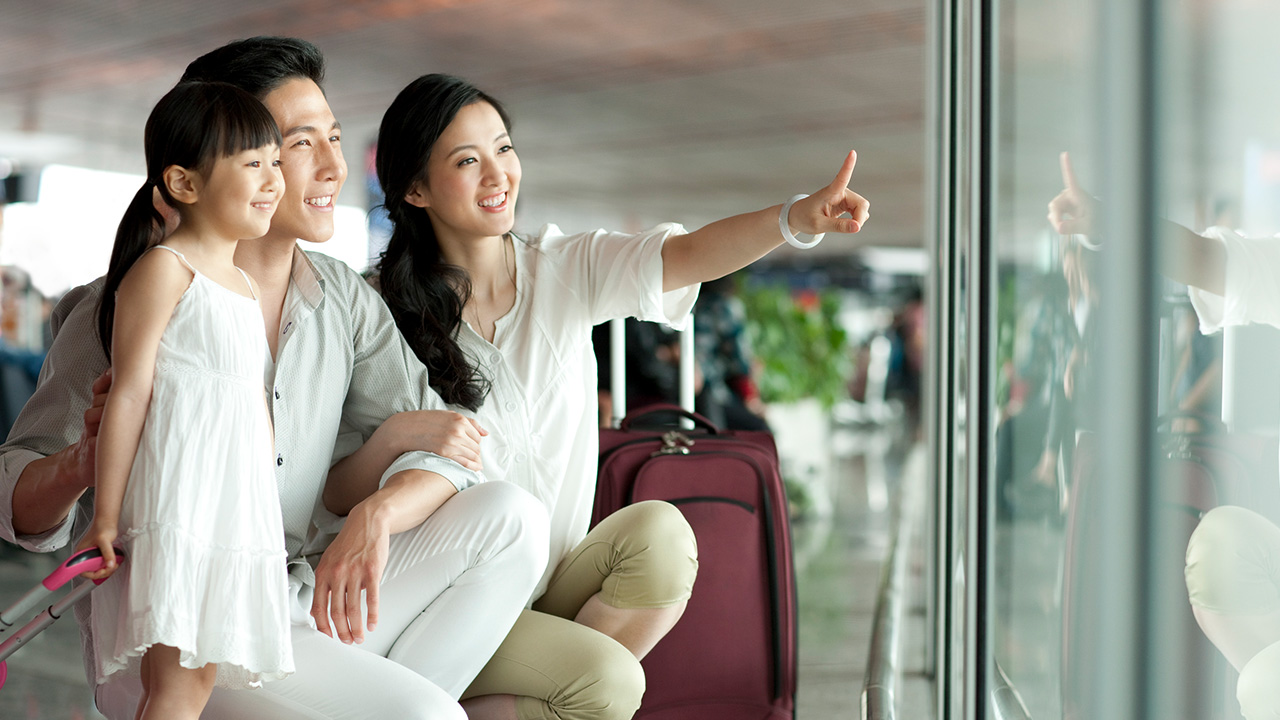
point(733, 653)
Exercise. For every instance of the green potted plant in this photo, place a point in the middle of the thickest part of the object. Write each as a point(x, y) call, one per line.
point(805, 368)
point(799, 342)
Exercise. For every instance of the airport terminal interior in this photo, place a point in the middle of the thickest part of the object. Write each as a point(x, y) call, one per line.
point(1025, 418)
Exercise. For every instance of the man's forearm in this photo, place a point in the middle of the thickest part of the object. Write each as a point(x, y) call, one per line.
point(47, 491)
point(355, 477)
point(408, 498)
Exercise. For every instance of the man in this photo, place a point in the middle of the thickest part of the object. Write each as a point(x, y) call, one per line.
point(443, 574)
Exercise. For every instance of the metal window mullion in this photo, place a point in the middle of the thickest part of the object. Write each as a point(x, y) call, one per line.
point(983, 297)
point(1127, 357)
point(942, 333)
point(952, 680)
point(978, 285)
point(944, 337)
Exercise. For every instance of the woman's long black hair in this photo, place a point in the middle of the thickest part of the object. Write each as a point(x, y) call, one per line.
point(425, 294)
point(193, 125)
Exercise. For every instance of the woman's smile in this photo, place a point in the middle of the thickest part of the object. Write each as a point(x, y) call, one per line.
point(495, 203)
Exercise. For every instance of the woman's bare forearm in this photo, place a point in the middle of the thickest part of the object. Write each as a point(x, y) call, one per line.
point(735, 242)
point(1193, 259)
point(719, 248)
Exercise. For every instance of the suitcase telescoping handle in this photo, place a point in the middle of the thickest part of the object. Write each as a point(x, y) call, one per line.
point(87, 560)
point(618, 369)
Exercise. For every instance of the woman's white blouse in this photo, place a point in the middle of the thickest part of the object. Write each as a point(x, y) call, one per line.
point(1252, 284)
point(541, 411)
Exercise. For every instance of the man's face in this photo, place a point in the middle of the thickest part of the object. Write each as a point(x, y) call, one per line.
point(310, 160)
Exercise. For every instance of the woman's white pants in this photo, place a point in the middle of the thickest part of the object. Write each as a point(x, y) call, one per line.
point(452, 589)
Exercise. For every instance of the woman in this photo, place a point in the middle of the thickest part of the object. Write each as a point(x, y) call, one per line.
point(504, 326)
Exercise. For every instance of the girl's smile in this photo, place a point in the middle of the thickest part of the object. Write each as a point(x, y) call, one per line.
point(240, 194)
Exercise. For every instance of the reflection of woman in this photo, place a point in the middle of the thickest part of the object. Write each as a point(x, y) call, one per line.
point(1233, 558)
point(504, 324)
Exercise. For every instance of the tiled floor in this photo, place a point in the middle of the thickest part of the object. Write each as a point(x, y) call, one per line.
point(838, 559)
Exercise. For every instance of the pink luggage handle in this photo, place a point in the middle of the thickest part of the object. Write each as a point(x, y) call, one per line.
point(88, 560)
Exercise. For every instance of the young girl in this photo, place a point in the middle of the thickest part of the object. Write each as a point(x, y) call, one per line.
point(185, 479)
point(504, 325)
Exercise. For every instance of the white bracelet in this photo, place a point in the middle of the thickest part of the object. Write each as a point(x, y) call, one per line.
point(786, 228)
point(1086, 242)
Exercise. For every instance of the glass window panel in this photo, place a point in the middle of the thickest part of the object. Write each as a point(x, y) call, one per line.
point(1206, 499)
point(1045, 299)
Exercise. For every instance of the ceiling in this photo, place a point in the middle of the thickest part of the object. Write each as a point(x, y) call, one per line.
point(627, 112)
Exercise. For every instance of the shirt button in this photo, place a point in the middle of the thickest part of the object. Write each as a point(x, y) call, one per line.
point(496, 358)
point(520, 458)
point(277, 393)
point(279, 460)
point(511, 407)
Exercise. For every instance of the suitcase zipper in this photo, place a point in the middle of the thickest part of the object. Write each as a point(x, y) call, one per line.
point(712, 498)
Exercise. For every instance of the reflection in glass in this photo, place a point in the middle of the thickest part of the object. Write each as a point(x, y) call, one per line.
point(1208, 517)
point(1046, 297)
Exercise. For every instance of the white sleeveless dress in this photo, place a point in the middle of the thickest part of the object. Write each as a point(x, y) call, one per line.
point(201, 519)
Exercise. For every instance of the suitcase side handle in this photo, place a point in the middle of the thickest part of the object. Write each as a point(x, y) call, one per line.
point(635, 420)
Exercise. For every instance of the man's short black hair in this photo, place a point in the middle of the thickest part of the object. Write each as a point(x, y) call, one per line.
point(259, 65)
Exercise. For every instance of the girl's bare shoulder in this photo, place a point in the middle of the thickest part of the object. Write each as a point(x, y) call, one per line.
point(158, 273)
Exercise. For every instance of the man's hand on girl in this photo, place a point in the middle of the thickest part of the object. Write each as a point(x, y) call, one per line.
point(83, 454)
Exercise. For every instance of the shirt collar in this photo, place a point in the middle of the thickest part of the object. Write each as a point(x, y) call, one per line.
point(306, 279)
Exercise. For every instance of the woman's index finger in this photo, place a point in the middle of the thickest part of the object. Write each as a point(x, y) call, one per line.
point(1068, 173)
point(845, 174)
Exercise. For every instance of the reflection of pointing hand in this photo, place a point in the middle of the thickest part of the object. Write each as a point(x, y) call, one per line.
point(1071, 212)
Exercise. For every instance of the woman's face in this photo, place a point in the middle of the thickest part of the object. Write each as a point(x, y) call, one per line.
point(473, 177)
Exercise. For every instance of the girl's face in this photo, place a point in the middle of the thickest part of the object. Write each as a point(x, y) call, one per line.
point(241, 192)
point(473, 177)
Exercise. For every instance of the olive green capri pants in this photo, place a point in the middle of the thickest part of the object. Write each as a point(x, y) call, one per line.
point(1233, 568)
point(642, 556)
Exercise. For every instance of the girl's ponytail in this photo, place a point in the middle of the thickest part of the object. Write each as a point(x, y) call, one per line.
point(141, 226)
